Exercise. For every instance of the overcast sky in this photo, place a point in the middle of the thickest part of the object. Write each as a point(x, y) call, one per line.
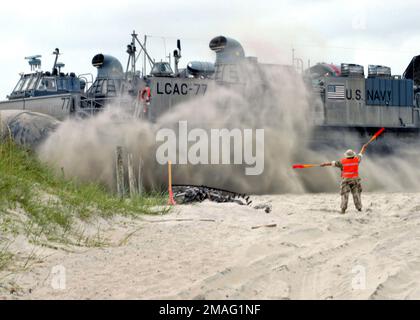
point(380, 32)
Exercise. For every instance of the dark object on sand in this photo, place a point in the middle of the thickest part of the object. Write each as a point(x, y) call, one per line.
point(267, 207)
point(273, 225)
point(191, 193)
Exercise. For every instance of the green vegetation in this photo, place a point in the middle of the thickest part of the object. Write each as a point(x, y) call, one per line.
point(46, 207)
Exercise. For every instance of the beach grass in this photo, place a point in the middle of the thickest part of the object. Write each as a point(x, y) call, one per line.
point(45, 206)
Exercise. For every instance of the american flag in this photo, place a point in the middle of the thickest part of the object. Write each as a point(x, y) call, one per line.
point(335, 92)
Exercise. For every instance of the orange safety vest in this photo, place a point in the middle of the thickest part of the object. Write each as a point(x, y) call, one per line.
point(350, 168)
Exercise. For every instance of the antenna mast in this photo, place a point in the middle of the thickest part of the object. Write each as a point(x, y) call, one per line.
point(56, 53)
point(143, 50)
point(131, 50)
point(177, 55)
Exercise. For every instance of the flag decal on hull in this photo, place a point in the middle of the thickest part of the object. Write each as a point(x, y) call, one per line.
point(335, 92)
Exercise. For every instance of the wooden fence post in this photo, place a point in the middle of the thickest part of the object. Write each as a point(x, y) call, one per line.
point(140, 179)
point(120, 171)
point(131, 178)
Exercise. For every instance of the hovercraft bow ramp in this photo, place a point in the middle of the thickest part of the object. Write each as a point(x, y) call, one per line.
point(26, 128)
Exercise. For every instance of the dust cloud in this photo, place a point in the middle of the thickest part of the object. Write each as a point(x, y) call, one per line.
point(271, 98)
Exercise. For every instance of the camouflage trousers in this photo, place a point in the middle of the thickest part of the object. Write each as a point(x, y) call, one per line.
point(355, 187)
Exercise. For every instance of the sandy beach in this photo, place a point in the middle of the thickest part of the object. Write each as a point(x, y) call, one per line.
point(212, 251)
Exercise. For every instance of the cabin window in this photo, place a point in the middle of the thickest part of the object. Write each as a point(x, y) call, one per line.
point(161, 68)
point(111, 90)
point(47, 84)
point(96, 87)
point(104, 88)
point(100, 87)
point(31, 85)
point(62, 85)
point(19, 85)
point(26, 83)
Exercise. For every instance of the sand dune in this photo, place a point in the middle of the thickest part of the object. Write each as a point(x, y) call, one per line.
point(210, 251)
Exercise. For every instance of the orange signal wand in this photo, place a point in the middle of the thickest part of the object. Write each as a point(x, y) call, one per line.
point(377, 134)
point(171, 200)
point(304, 166)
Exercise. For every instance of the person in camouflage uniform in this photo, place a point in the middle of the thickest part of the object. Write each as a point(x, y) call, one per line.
point(351, 181)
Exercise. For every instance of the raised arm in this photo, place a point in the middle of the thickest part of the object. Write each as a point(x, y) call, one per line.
point(363, 149)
